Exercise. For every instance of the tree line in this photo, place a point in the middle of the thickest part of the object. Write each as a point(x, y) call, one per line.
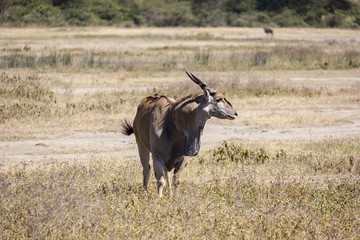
point(200, 13)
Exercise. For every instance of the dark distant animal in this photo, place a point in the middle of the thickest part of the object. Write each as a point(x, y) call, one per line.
point(171, 130)
point(268, 31)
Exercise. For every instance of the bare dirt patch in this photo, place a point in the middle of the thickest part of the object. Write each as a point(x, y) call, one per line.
point(87, 145)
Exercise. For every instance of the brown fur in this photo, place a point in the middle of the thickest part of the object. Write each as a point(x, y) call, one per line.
point(171, 130)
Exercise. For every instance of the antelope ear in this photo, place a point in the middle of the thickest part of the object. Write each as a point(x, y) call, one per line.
point(208, 95)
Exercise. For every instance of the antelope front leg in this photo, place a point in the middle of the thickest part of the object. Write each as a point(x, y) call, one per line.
point(179, 166)
point(161, 184)
point(160, 174)
point(168, 181)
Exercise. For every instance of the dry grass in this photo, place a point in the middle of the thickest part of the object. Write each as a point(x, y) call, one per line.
point(89, 79)
point(233, 191)
point(28, 100)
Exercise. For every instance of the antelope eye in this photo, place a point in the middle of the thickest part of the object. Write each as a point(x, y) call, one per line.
point(218, 99)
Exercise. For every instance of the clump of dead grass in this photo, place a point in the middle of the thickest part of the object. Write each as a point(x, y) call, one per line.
point(236, 153)
point(25, 87)
point(22, 96)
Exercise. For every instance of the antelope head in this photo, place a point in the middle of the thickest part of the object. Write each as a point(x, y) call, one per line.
point(216, 103)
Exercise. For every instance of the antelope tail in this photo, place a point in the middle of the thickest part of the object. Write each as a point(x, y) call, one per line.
point(126, 128)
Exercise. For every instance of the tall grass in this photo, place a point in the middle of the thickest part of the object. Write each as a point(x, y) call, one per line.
point(281, 197)
point(222, 59)
point(18, 60)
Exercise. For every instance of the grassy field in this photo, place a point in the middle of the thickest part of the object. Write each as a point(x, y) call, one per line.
point(63, 81)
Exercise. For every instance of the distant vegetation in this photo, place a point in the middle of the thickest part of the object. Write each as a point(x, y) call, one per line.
point(162, 13)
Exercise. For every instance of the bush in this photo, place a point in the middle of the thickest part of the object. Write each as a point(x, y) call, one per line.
point(229, 152)
point(249, 13)
point(289, 18)
point(161, 15)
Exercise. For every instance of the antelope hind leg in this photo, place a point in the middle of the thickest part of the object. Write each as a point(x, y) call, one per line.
point(145, 157)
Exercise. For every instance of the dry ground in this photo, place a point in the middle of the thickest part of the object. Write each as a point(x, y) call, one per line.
point(85, 145)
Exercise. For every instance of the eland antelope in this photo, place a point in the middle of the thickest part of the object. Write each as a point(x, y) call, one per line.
point(171, 130)
point(268, 30)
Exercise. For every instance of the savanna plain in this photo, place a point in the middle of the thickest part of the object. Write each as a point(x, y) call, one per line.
point(287, 168)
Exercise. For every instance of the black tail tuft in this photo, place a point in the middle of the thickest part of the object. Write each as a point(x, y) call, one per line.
point(126, 128)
